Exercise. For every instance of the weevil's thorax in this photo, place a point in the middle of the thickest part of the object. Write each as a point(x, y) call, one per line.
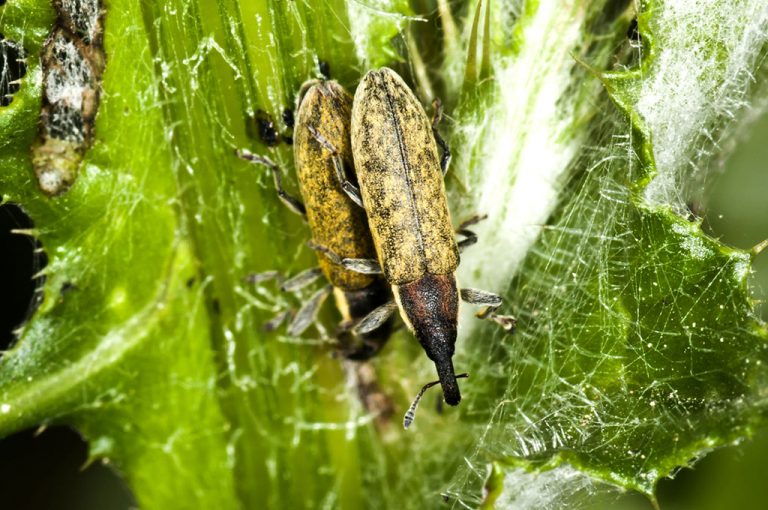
point(430, 308)
point(335, 221)
point(398, 170)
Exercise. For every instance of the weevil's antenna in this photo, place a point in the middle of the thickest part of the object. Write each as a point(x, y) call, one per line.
point(410, 415)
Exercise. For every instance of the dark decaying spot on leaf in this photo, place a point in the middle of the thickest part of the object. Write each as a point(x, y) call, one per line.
point(82, 18)
point(633, 32)
point(48, 468)
point(73, 62)
point(12, 68)
point(265, 128)
point(21, 257)
point(66, 287)
point(325, 69)
point(288, 119)
point(695, 210)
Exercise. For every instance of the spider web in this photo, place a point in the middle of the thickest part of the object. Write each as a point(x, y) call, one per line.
point(637, 349)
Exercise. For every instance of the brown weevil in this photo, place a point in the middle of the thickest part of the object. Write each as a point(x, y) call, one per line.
point(323, 117)
point(401, 187)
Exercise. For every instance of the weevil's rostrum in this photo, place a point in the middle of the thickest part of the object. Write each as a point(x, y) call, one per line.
point(402, 188)
point(395, 149)
point(335, 221)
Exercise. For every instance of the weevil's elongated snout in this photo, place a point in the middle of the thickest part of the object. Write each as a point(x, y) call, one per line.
point(430, 308)
point(447, 376)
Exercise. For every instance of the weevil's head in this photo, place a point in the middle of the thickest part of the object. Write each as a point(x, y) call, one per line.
point(430, 308)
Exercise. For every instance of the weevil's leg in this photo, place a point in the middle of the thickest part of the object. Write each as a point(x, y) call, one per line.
point(301, 280)
point(333, 257)
point(492, 302)
point(437, 112)
point(358, 347)
point(263, 277)
point(480, 297)
point(437, 116)
point(293, 203)
point(352, 191)
point(507, 322)
point(375, 319)
point(473, 220)
point(348, 326)
point(364, 266)
point(470, 238)
point(307, 313)
point(275, 321)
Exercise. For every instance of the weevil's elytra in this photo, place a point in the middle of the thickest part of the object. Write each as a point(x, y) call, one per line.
point(322, 155)
point(401, 183)
point(395, 149)
point(336, 222)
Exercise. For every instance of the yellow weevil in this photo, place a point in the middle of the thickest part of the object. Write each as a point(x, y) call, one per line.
point(323, 117)
point(401, 187)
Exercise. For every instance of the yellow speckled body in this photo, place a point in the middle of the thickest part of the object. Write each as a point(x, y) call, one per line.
point(402, 188)
point(401, 183)
point(336, 222)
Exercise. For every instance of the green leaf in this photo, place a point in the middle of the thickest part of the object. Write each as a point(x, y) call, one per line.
point(637, 346)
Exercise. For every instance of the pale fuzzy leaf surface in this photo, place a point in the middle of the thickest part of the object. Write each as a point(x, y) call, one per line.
point(636, 351)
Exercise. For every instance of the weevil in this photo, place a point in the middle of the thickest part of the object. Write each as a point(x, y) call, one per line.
point(400, 177)
point(323, 117)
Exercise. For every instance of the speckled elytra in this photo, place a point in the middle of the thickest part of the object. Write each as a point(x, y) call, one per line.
point(338, 224)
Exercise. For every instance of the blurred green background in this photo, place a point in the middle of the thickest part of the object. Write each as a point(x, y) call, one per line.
point(735, 210)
